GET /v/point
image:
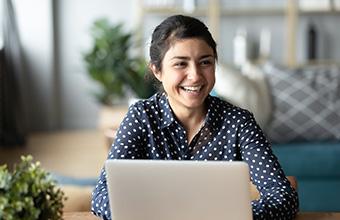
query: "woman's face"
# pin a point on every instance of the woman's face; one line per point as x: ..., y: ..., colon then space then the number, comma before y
x: 188, y: 73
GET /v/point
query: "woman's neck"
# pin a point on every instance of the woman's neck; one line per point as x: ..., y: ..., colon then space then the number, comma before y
x: 191, y: 119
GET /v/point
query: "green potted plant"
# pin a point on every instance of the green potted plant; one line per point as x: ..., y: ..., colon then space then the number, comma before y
x: 109, y: 62
x: 28, y: 192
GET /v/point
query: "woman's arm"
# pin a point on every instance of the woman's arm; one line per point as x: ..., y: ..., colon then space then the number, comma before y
x: 278, y: 200
x: 128, y: 144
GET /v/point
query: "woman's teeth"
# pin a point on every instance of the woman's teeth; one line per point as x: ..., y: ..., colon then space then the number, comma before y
x: 192, y: 88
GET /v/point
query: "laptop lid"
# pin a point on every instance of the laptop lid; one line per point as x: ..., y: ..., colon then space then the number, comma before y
x: 178, y: 190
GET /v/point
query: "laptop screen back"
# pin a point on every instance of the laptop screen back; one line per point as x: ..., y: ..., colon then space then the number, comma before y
x: 178, y: 190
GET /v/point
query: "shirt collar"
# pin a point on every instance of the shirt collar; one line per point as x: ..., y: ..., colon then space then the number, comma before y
x: 208, y: 102
x: 215, y: 115
x: 168, y: 116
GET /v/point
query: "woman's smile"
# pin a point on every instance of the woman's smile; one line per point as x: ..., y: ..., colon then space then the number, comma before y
x: 192, y: 89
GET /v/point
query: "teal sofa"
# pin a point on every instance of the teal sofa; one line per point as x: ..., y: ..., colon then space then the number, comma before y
x: 305, y: 129
x: 299, y: 111
x: 316, y: 165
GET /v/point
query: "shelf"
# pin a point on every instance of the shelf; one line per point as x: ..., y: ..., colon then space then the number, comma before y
x: 201, y: 11
x: 319, y: 12
x: 214, y: 11
x: 252, y: 12
x: 224, y: 12
x: 173, y: 10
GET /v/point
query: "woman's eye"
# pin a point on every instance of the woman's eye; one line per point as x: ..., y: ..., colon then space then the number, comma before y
x: 180, y: 64
x: 206, y: 62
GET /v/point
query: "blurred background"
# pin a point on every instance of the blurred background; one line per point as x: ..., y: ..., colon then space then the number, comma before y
x: 56, y: 90
x: 55, y: 71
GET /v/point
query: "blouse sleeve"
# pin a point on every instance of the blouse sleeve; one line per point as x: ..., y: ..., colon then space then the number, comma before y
x: 278, y: 200
x: 128, y: 144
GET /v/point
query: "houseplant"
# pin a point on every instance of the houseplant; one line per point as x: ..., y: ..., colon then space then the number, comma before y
x: 110, y: 63
x: 28, y: 192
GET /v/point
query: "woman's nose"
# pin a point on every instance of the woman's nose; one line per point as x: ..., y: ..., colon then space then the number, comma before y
x: 194, y: 72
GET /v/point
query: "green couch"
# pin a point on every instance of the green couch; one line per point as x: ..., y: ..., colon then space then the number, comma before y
x: 299, y: 111
x: 316, y: 165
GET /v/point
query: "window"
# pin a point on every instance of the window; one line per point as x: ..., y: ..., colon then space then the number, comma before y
x: 1, y: 23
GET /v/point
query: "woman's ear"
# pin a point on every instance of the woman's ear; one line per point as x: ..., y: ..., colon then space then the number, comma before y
x: 157, y: 73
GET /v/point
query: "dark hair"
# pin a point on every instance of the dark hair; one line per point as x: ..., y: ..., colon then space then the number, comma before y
x: 173, y: 28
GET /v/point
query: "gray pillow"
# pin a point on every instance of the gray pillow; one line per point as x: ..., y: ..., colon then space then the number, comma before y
x: 306, y: 103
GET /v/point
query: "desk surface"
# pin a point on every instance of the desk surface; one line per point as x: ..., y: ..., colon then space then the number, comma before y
x: 301, y: 216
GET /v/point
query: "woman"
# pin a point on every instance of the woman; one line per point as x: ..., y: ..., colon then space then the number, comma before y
x: 185, y: 123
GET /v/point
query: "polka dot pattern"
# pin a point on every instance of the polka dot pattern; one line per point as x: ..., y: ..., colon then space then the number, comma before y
x: 150, y: 131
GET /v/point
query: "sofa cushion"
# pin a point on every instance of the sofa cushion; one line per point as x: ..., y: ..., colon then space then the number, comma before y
x: 309, y: 160
x: 306, y: 103
x: 246, y: 89
x: 319, y: 195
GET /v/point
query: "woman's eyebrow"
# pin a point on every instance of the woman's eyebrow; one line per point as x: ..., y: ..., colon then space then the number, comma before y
x: 180, y: 57
x: 188, y: 58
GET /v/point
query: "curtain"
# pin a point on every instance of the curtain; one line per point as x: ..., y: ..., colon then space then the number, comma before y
x: 12, y: 120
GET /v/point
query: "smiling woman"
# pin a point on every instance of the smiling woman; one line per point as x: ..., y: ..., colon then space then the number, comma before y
x: 188, y: 76
x: 184, y: 122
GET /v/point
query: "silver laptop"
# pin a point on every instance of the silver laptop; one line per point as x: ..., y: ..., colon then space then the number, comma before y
x: 178, y: 190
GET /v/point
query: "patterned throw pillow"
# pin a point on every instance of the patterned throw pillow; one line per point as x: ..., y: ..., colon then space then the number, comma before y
x: 306, y: 103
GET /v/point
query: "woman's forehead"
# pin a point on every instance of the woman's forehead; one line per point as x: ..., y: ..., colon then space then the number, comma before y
x: 189, y: 47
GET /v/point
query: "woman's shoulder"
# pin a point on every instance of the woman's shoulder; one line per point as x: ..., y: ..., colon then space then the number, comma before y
x: 224, y: 108
x: 149, y: 105
x: 223, y: 105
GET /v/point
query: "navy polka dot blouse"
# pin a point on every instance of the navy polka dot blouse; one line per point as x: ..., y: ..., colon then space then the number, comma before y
x: 150, y: 131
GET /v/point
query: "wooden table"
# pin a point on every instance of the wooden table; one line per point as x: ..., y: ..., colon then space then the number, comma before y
x: 79, y: 216
x: 318, y: 216
x: 301, y: 216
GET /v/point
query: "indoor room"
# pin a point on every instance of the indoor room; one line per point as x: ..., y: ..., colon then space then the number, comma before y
x: 70, y: 70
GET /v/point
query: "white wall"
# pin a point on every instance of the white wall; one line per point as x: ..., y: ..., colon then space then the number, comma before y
x: 1, y: 39
x: 79, y: 109
x: 58, y: 91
